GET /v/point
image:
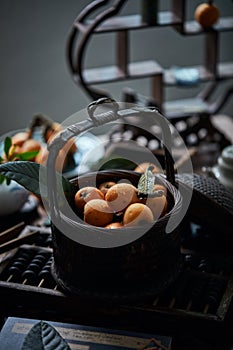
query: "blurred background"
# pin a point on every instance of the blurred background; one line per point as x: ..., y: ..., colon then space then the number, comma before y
x: 34, y: 75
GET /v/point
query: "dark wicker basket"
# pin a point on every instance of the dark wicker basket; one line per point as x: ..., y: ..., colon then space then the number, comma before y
x: 141, y: 268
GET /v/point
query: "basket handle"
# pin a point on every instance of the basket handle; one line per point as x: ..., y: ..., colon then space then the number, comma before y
x: 95, y: 120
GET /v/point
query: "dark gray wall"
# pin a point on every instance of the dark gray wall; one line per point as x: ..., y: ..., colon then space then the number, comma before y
x: 34, y: 76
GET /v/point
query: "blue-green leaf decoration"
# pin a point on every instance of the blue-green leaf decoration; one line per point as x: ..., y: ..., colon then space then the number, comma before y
x: 146, y: 182
x: 43, y: 336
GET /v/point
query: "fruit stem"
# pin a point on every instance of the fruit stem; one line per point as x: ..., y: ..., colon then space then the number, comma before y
x: 210, y: 2
x: 158, y: 193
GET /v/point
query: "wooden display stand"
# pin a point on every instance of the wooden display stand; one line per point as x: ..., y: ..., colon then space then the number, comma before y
x: 109, y: 21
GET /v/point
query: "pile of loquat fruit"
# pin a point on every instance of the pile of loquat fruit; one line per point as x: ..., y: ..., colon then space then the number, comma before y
x: 24, y: 141
x: 117, y: 205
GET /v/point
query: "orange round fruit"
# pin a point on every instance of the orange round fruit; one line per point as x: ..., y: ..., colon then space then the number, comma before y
x: 121, y: 195
x: 61, y: 160
x: 136, y: 214
x: 104, y: 187
x: 206, y: 15
x: 70, y: 145
x: 158, y: 187
x: 42, y: 157
x: 97, y: 213
x: 52, y: 131
x: 31, y: 145
x: 141, y: 168
x: 114, y: 225
x: 19, y: 138
x: 86, y: 194
x: 158, y: 206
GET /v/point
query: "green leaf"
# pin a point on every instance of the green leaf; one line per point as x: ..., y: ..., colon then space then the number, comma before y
x: 43, y: 336
x: 26, y: 155
x: 146, y: 182
x: 117, y: 163
x: 1, y: 159
x: 27, y: 174
x: 7, y: 145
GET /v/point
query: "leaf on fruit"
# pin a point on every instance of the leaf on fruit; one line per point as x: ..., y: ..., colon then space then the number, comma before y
x: 43, y: 336
x: 146, y: 183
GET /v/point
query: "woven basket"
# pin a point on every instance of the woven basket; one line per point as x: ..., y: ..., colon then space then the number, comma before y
x: 138, y: 269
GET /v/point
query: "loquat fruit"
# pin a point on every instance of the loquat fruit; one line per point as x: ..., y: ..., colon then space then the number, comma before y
x: 141, y: 168
x: 104, y: 187
x: 158, y: 187
x: 121, y: 196
x: 19, y: 138
x: 30, y: 145
x: 206, y: 14
x: 114, y: 225
x: 86, y: 194
x: 98, y: 213
x: 158, y: 206
x: 137, y: 214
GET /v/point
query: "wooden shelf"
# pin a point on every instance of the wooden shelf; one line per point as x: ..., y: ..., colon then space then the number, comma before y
x: 166, y: 18
x: 110, y: 21
x: 224, y: 71
x: 151, y: 68
x: 113, y: 73
x: 132, y: 22
x: 184, y: 107
x: 193, y: 28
